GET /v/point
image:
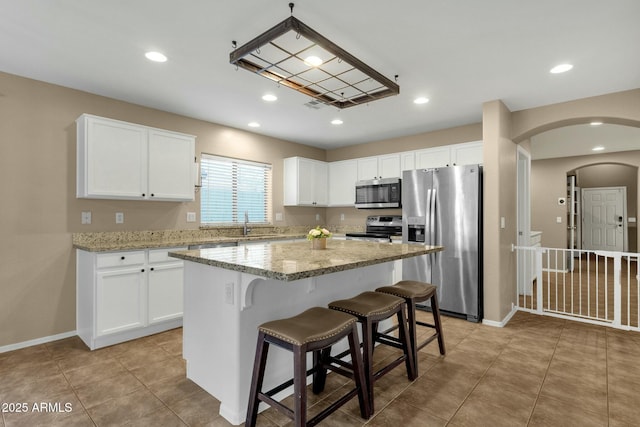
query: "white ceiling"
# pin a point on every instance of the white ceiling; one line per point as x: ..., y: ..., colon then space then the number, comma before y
x: 457, y: 53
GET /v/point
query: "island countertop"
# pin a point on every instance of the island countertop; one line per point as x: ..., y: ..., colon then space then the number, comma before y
x: 296, y: 260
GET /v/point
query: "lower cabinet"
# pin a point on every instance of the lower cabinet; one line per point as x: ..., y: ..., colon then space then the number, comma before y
x: 127, y: 295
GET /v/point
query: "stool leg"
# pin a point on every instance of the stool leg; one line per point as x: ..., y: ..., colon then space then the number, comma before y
x: 359, y: 374
x: 300, y: 386
x: 411, y: 320
x: 262, y: 348
x: 436, y: 321
x: 406, y: 346
x: 367, y: 358
x: 320, y: 371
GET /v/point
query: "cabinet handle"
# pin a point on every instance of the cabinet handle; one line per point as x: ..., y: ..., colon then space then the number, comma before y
x: 152, y: 194
x: 151, y: 269
x: 121, y: 257
x: 143, y: 194
x: 142, y: 271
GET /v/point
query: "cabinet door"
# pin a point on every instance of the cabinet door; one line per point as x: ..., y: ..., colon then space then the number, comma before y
x: 165, y: 291
x: 171, y: 163
x: 467, y: 154
x: 306, y: 182
x: 321, y: 180
x: 115, y: 158
x: 120, y: 302
x: 342, y: 182
x: 437, y: 157
x: 389, y: 166
x: 367, y: 168
x: 407, y: 161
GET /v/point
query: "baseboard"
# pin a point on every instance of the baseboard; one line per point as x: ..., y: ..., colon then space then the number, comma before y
x: 36, y: 341
x: 503, y: 322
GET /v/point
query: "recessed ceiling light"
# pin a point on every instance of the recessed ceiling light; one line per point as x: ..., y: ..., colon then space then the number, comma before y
x: 421, y: 100
x: 313, y: 61
x: 595, y: 123
x: 254, y: 125
x: 598, y: 148
x: 562, y: 68
x: 336, y: 122
x: 269, y: 97
x: 156, y: 57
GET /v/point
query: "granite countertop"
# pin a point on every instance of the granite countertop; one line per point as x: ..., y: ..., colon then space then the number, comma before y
x: 296, y: 260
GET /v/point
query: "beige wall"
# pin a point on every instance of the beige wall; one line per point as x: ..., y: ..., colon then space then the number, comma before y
x: 548, y: 183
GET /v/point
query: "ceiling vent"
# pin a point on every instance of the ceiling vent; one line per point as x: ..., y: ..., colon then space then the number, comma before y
x: 314, y: 104
x: 296, y: 56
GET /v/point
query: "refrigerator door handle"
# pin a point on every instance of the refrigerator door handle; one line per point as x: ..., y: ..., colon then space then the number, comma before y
x: 427, y: 219
x: 432, y: 217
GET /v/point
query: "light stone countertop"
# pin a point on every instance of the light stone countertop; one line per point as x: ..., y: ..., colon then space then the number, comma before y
x: 296, y: 260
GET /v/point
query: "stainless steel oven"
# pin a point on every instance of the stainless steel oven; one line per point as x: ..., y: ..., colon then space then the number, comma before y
x: 380, y: 228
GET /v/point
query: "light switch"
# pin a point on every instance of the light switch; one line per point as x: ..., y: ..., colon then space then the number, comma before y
x: 278, y: 216
x: 191, y: 217
x: 559, y: 219
x: 503, y: 223
x: 119, y: 217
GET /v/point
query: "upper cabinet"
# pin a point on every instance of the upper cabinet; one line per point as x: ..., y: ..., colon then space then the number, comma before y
x: 377, y: 167
x: 119, y: 160
x: 305, y: 182
x: 449, y: 155
x: 342, y: 182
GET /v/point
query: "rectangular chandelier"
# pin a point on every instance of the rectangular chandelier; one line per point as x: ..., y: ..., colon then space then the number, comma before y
x: 296, y: 56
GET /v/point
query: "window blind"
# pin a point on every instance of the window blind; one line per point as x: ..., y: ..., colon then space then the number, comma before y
x: 231, y: 187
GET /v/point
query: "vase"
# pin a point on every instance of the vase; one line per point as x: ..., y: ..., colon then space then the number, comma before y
x: 320, y: 243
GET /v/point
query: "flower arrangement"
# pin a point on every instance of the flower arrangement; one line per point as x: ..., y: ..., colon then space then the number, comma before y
x: 318, y: 233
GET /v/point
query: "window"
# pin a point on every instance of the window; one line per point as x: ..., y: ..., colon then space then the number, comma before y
x: 231, y: 187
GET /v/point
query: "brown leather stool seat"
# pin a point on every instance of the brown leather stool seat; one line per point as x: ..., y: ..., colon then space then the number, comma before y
x: 371, y: 308
x: 413, y: 292
x: 313, y: 330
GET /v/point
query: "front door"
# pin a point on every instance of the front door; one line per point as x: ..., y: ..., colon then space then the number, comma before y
x: 603, y: 219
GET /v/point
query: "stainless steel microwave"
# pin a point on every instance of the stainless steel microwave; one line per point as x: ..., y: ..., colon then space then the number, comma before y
x: 378, y: 193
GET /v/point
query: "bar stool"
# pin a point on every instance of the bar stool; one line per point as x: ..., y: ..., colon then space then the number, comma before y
x: 371, y: 308
x: 413, y: 292
x: 313, y: 330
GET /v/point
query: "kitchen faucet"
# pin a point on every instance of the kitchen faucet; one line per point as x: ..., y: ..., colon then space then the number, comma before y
x: 246, y: 229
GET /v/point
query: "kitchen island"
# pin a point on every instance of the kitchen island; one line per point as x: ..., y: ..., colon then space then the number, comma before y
x: 229, y: 291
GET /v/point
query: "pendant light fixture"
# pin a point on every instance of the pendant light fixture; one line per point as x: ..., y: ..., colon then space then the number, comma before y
x: 294, y: 55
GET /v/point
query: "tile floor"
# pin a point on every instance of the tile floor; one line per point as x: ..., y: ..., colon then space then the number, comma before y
x: 537, y: 371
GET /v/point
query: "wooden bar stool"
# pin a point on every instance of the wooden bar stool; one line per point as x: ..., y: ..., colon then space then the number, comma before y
x: 413, y: 292
x: 371, y: 308
x: 315, y: 330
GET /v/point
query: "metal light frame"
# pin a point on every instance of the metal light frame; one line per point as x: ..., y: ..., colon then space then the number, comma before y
x: 341, y: 81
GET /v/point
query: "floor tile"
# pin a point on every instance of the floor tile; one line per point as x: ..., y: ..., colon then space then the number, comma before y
x: 549, y: 412
x: 125, y: 409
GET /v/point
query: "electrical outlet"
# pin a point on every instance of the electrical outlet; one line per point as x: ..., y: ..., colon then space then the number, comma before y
x: 559, y: 219
x: 278, y: 216
x: 191, y: 217
x: 228, y: 293
x: 119, y: 217
x: 341, y: 217
x: 317, y: 217
x: 86, y: 217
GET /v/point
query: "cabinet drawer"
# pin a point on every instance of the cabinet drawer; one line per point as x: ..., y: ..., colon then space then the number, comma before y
x: 162, y: 255
x: 120, y: 259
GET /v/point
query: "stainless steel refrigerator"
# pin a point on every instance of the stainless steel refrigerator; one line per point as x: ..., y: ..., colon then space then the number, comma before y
x: 443, y: 206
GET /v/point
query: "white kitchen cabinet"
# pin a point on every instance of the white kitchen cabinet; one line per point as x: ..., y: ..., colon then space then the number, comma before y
x: 407, y: 161
x: 120, y: 160
x: 342, y: 182
x: 377, y: 167
x: 435, y: 157
x: 165, y: 286
x: 467, y: 154
x: 305, y: 182
x: 449, y: 155
x: 119, y: 300
x: 127, y: 295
